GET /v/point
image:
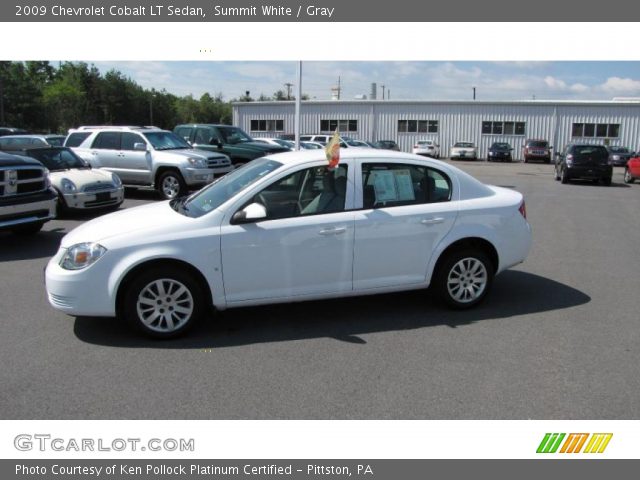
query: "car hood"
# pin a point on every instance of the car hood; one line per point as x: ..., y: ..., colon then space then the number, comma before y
x: 153, y: 217
x: 259, y: 147
x: 82, y: 177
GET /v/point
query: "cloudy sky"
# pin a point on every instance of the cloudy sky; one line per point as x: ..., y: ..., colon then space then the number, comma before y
x: 405, y: 80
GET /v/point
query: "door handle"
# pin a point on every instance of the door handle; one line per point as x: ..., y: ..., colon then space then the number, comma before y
x: 332, y: 231
x: 432, y: 221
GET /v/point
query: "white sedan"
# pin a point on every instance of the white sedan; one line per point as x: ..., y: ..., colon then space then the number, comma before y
x: 463, y: 150
x: 429, y: 148
x: 287, y: 228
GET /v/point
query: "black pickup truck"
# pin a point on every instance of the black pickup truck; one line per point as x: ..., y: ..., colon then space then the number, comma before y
x: 27, y: 200
x: 227, y: 139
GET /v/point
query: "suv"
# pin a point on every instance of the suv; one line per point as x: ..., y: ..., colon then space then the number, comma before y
x: 148, y: 156
x: 537, y: 150
x: 584, y: 161
x: 232, y: 141
x: 27, y: 200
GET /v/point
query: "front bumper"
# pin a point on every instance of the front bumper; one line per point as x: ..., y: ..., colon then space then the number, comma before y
x: 79, y: 292
x: 102, y: 199
x: 202, y: 176
x: 464, y: 154
x: 37, y: 208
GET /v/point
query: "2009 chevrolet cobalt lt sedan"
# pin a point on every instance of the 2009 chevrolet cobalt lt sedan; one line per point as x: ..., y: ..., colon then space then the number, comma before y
x: 286, y: 228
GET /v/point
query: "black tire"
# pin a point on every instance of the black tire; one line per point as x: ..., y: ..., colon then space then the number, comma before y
x: 452, y: 268
x: 606, y: 181
x: 627, y: 176
x: 163, y: 320
x: 171, y: 185
x: 564, y: 176
x: 556, y: 175
x: 526, y: 160
x: 28, y: 229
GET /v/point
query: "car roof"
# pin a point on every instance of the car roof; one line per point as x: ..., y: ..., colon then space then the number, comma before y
x: 304, y: 156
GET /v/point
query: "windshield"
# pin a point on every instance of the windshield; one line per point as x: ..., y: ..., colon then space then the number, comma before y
x: 538, y: 144
x: 501, y: 146
x: 464, y: 145
x: 166, y: 141
x: 618, y: 150
x: 214, y: 195
x: 57, y: 159
x: 233, y: 135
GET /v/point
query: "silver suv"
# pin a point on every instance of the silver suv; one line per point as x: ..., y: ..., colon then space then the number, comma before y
x: 148, y: 156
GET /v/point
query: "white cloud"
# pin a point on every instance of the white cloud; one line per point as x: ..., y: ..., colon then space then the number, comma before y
x: 617, y: 85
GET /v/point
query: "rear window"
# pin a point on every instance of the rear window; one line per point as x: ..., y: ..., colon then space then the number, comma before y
x: 76, y: 138
x: 589, y: 151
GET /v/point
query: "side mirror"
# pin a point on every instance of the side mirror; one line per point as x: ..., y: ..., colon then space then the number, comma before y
x: 140, y: 147
x: 251, y: 213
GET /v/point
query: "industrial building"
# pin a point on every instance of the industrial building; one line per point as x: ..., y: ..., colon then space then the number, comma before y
x: 615, y: 122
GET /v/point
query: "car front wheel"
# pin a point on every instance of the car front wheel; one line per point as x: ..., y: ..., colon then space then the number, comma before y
x: 171, y: 185
x: 464, y: 278
x: 564, y: 176
x: 163, y: 302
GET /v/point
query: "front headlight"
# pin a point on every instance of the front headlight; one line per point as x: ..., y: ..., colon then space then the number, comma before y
x: 81, y: 256
x: 47, y: 178
x: 198, y: 162
x: 616, y: 157
x: 68, y: 186
x: 116, y: 180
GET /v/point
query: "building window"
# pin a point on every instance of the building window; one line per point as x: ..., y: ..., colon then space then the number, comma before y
x: 267, y: 125
x: 417, y: 126
x: 597, y: 130
x: 340, y: 125
x: 503, y: 128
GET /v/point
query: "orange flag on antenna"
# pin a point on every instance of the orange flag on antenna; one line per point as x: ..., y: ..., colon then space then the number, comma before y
x: 332, y: 150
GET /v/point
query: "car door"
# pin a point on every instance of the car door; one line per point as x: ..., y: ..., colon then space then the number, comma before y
x: 134, y: 166
x: 407, y: 209
x: 305, y: 245
x: 104, y: 151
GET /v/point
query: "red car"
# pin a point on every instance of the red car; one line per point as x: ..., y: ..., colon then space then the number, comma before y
x: 632, y: 170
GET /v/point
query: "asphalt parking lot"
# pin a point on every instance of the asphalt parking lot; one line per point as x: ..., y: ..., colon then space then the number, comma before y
x: 557, y: 338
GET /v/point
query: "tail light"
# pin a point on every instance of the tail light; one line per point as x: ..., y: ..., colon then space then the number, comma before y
x: 523, y: 209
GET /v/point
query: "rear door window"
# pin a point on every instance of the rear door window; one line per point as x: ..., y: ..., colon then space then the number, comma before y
x: 107, y: 141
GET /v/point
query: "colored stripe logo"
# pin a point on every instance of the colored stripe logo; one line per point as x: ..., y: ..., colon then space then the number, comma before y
x: 574, y: 442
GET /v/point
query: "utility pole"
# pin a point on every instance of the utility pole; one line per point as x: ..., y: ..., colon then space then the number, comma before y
x: 382, y: 91
x: 339, y: 88
x: 288, y: 85
x: 474, y: 93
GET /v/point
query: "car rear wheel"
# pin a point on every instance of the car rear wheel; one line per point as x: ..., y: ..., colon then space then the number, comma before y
x: 564, y: 177
x: 163, y: 302
x: 464, y: 278
x: 627, y: 176
x: 171, y: 185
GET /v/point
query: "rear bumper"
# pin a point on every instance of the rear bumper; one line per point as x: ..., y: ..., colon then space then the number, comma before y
x: 589, y: 171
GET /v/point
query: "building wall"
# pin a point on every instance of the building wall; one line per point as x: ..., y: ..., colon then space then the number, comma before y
x: 457, y: 121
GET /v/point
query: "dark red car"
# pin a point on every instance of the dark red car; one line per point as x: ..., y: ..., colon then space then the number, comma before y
x: 632, y: 170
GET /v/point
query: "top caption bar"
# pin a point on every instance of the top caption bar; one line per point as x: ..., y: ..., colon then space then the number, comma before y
x: 320, y: 11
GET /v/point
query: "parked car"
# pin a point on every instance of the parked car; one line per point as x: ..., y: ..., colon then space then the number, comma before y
x: 77, y: 184
x: 229, y: 140
x: 27, y: 200
x: 463, y: 150
x: 632, y: 170
x: 357, y: 144
x: 279, y: 142
x: 499, y: 152
x: 619, y: 156
x: 428, y: 148
x: 311, y: 145
x: 536, y: 149
x: 387, y: 145
x: 322, y: 139
x: 11, y: 143
x: 287, y: 228
x: 590, y: 162
x: 149, y: 156
x: 11, y: 131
